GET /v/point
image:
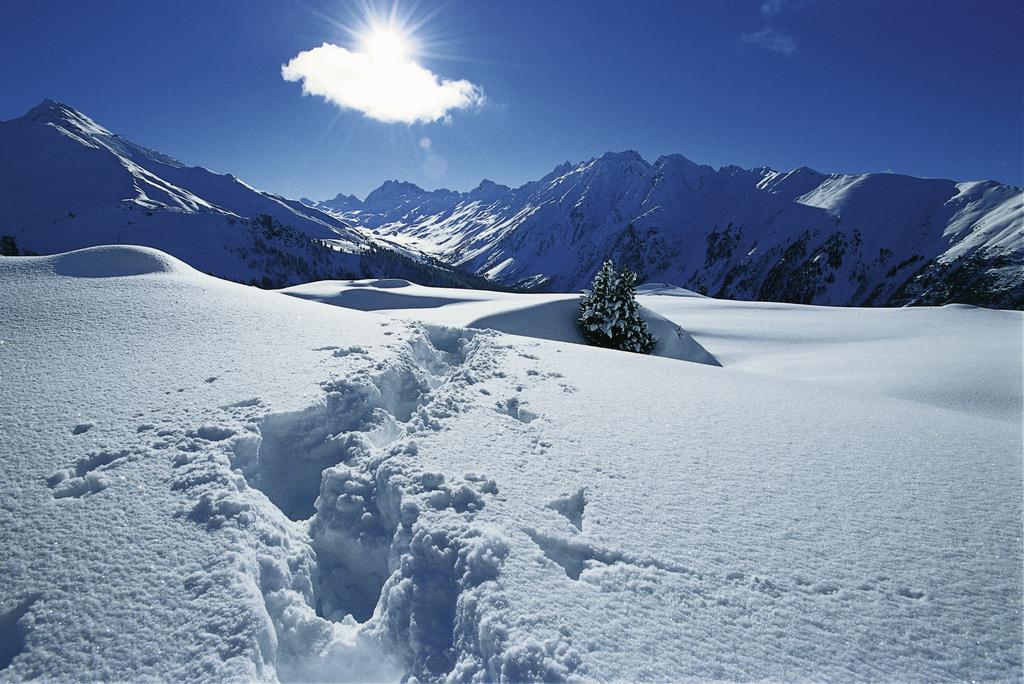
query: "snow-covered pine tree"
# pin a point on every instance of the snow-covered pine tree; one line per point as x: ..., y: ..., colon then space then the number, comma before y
x: 609, y: 313
x: 635, y: 336
x: 594, y: 320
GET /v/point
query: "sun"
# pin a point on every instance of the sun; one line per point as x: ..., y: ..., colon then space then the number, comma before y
x: 386, y: 44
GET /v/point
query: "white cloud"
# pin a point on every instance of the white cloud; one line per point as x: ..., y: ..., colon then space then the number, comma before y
x: 771, y: 40
x: 396, y: 90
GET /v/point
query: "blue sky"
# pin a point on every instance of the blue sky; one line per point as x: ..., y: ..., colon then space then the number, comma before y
x: 929, y: 88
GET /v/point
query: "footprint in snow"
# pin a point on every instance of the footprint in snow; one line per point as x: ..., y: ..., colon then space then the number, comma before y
x: 88, y: 475
x: 572, y: 506
x: 575, y: 555
x: 211, y: 433
x: 244, y: 403
x: 514, y: 408
x: 348, y: 351
x: 12, y: 630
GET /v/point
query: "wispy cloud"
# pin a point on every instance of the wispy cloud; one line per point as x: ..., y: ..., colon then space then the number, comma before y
x: 771, y: 40
x: 396, y: 90
x: 771, y: 8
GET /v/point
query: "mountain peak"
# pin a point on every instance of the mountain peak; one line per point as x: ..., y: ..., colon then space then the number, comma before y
x: 674, y: 159
x: 488, y: 187
x: 401, y: 186
x: 627, y: 156
x: 561, y: 169
x: 391, y: 190
x: 52, y: 109
x: 64, y: 116
x: 48, y: 105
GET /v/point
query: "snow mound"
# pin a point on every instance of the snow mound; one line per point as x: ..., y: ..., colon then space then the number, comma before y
x: 556, y: 320
x: 367, y: 295
x: 115, y: 261
x: 542, y: 316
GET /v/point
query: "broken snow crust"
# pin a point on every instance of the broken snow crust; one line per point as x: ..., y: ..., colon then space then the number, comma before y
x: 208, y: 481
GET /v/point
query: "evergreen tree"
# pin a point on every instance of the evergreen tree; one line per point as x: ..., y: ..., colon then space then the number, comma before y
x: 609, y: 313
x: 595, y: 320
x: 8, y: 246
x: 635, y: 335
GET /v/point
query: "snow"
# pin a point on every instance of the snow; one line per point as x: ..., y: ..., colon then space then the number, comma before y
x: 544, y: 316
x: 750, y: 234
x: 59, y: 162
x: 67, y: 183
x: 272, y: 488
x: 955, y: 357
x: 113, y: 262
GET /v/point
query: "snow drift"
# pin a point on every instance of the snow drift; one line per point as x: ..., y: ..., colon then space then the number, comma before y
x: 114, y: 261
x: 548, y: 317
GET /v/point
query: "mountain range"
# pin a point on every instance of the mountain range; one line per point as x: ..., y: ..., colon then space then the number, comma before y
x: 800, y: 236
x: 66, y: 182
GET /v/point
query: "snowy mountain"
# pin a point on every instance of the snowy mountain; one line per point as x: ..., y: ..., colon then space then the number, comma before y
x: 67, y: 182
x: 802, y: 236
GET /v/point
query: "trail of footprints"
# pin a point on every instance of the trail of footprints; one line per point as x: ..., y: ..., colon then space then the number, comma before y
x: 344, y: 464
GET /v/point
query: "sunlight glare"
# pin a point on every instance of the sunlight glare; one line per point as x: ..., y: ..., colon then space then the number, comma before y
x: 386, y: 44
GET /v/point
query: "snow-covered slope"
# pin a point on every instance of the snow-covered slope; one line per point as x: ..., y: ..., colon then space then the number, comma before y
x: 308, y: 492
x: 544, y: 316
x: 957, y: 357
x: 66, y: 182
x: 802, y: 236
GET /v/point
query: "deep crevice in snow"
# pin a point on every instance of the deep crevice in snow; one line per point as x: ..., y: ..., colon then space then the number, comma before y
x: 348, y: 465
x: 383, y: 571
x: 353, y: 540
x: 295, y: 447
x: 355, y: 418
x: 361, y: 528
x: 12, y: 630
